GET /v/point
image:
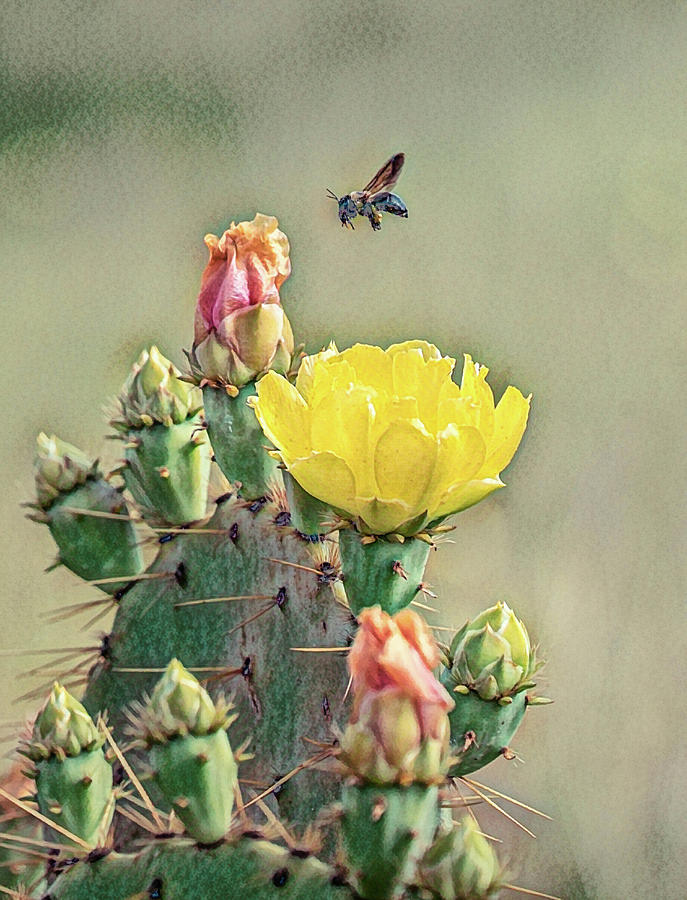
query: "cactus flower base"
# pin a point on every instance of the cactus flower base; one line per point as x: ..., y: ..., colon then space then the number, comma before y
x: 381, y: 572
x: 492, y: 724
x: 386, y: 829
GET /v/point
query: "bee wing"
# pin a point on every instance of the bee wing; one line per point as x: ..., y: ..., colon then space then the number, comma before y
x: 387, y: 175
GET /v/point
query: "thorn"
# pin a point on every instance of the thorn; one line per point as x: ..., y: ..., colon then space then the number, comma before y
x: 132, y: 775
x: 423, y: 588
x: 37, y: 815
x: 224, y: 599
x: 531, y: 893
x: 508, y: 754
x: 470, y: 740
x: 398, y: 569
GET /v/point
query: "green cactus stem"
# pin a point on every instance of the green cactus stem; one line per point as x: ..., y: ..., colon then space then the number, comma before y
x: 481, y: 730
x: 74, y: 783
x: 386, y: 830
x: 461, y: 864
x: 244, y: 645
x: 380, y: 571
x: 238, y: 442
x: 174, y: 869
x: 192, y: 760
x: 91, y: 546
x: 167, y: 454
x: 308, y: 514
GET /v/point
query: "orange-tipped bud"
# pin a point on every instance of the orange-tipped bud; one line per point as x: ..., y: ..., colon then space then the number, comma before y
x: 399, y: 729
x: 241, y: 330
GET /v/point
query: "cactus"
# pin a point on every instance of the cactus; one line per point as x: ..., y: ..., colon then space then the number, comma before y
x: 267, y: 714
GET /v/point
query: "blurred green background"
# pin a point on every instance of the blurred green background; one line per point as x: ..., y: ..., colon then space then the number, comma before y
x: 546, y: 179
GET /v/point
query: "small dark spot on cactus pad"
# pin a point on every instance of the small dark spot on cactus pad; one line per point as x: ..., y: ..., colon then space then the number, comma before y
x: 106, y: 646
x: 234, y: 532
x: 309, y: 538
x: 247, y: 667
x: 167, y: 538
x: 326, y: 709
x: 324, y: 626
x: 283, y: 518
x: 339, y: 880
x: 98, y: 853
x: 328, y: 573
x: 280, y: 877
x: 258, y: 504
x: 278, y: 787
x: 155, y: 889
x: 223, y: 499
x: 164, y: 835
x: 124, y: 590
x: 253, y: 835
x: 180, y: 575
x: 281, y: 597
x: 118, y: 773
x: 300, y: 853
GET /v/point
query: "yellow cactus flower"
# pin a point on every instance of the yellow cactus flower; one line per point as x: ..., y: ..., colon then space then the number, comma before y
x: 387, y: 438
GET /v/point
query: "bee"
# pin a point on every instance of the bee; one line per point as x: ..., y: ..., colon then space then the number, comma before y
x: 375, y: 198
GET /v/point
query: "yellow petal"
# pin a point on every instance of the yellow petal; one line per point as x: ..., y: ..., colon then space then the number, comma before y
x: 457, y: 411
x: 329, y: 376
x: 460, y: 456
x: 306, y: 371
x: 404, y: 460
x: 428, y: 351
x: 414, y: 376
x: 372, y: 366
x: 283, y: 415
x: 474, y: 385
x: 342, y: 422
x: 383, y: 516
x: 327, y: 477
x: 510, y: 420
x: 465, y: 495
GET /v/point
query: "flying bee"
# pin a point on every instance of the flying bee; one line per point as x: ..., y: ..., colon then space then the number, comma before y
x: 375, y: 198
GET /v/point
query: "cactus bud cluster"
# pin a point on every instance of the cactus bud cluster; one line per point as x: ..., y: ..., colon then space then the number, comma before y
x: 74, y: 782
x: 153, y: 392
x: 461, y: 864
x: 62, y: 728
x: 167, y: 455
x: 59, y: 467
x: 492, y: 654
x: 193, y: 763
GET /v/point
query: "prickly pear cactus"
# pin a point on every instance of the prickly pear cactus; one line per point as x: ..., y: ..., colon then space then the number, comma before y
x: 269, y: 713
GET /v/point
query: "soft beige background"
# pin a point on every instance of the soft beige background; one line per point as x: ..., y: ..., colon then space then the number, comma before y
x: 546, y: 179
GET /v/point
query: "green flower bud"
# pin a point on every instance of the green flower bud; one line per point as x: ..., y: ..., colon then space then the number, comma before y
x: 59, y: 467
x: 492, y: 654
x: 461, y: 864
x: 180, y: 700
x: 153, y: 392
x: 62, y: 728
x: 180, y: 705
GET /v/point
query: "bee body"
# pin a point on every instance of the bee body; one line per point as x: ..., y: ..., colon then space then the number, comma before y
x: 372, y: 201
